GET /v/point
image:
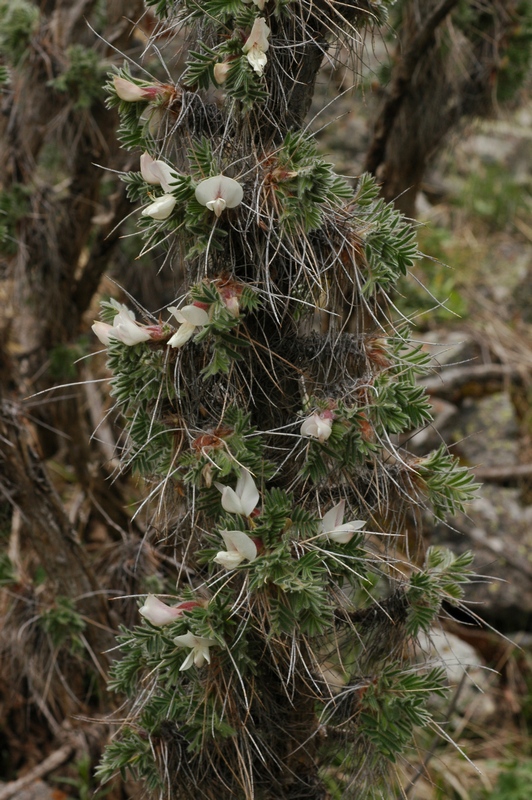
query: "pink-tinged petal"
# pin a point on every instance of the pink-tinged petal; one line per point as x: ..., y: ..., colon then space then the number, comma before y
x: 127, y: 90
x: 158, y: 613
x: 160, y: 208
x: 258, y: 38
x: 102, y: 329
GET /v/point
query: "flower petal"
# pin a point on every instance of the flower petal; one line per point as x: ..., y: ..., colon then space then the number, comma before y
x: 194, y: 315
x: 161, y: 208
x: 182, y: 335
x: 127, y: 90
x: 227, y: 559
x: 247, y: 491
x: 239, y: 542
x: 102, y: 330
x: 230, y: 500
x: 158, y: 613
x: 333, y: 517
x: 219, y: 187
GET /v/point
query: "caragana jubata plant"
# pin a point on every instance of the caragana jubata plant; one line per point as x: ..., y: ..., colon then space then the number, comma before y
x: 263, y: 409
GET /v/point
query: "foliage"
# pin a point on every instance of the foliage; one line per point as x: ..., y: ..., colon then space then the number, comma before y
x: 82, y: 77
x: 19, y: 19
x: 269, y: 438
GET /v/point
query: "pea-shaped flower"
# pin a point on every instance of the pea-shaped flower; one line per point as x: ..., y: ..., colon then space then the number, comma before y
x: 318, y: 426
x: 132, y: 92
x: 257, y: 45
x: 190, y: 317
x: 243, y: 499
x: 159, y: 613
x: 156, y: 172
x: 219, y: 193
x: 161, y: 208
x: 199, y: 653
x: 124, y: 329
x: 240, y: 547
x: 335, y: 529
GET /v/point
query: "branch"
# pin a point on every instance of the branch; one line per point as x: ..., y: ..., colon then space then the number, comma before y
x: 481, y: 380
x: 53, y: 761
x: 402, y: 75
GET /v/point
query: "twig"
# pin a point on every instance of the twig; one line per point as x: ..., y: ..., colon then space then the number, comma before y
x: 508, y: 474
x: 402, y: 75
x: 479, y: 380
x: 48, y: 765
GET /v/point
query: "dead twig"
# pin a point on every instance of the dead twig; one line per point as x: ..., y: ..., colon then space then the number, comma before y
x: 53, y: 761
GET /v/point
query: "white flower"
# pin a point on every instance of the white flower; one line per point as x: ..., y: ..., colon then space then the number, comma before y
x: 157, y: 173
x: 257, y: 45
x: 335, y: 529
x: 243, y: 499
x: 219, y: 193
x: 190, y: 318
x: 124, y: 328
x: 317, y: 427
x: 133, y: 92
x: 240, y: 547
x: 127, y: 90
x: 221, y: 69
x: 158, y: 613
x: 200, y: 649
x: 160, y: 208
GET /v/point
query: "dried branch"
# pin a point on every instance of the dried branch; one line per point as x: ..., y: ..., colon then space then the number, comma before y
x: 401, y: 77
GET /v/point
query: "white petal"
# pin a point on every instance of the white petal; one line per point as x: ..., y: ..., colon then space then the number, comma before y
x: 146, y: 162
x: 194, y: 315
x: 160, y: 208
x: 230, y: 500
x: 333, y: 517
x: 240, y: 543
x: 221, y: 187
x: 247, y: 491
x: 188, y: 662
x: 127, y: 331
x: 185, y: 640
x: 342, y: 537
x: 229, y: 560
x: 182, y: 335
x: 217, y: 206
x: 257, y: 59
x: 164, y: 174
x: 157, y: 612
x: 102, y: 329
